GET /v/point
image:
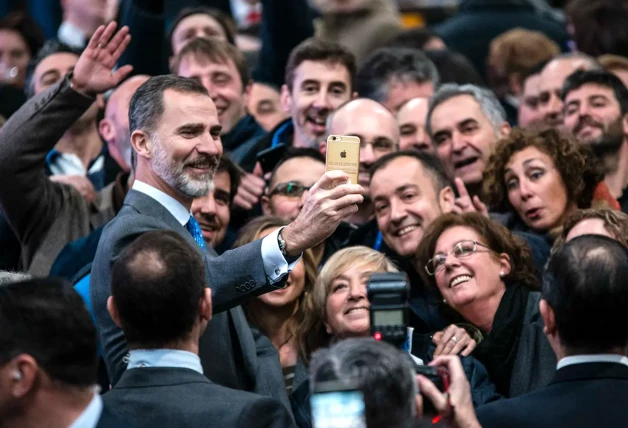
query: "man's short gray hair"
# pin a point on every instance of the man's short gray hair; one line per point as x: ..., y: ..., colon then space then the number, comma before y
x: 385, y: 376
x: 489, y: 104
x: 8, y: 277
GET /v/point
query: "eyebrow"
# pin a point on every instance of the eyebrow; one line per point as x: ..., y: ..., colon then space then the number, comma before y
x: 49, y: 73
x: 598, y: 96
x: 222, y: 192
x: 524, y: 163
x: 466, y: 122
x: 195, y: 127
x: 216, y: 129
x: 406, y: 187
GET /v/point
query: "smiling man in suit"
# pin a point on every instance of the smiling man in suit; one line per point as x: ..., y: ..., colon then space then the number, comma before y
x: 584, y: 299
x: 159, y: 297
x: 175, y: 135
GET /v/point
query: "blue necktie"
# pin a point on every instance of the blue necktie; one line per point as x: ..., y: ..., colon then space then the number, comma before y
x: 195, y: 230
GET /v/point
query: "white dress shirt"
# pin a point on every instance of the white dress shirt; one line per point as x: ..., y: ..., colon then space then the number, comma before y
x: 594, y: 358
x: 164, y: 358
x: 71, y: 35
x: 275, y: 264
x: 91, y: 415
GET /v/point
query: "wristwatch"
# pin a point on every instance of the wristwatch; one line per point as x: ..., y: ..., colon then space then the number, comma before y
x: 282, y: 247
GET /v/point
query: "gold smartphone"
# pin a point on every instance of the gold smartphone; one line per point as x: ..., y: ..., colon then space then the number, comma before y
x: 343, y: 153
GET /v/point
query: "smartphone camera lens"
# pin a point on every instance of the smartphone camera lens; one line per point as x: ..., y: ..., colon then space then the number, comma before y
x: 333, y: 138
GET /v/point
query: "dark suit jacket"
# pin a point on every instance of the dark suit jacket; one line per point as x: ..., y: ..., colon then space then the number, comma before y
x: 154, y: 397
x: 228, y: 347
x: 109, y: 419
x: 581, y: 395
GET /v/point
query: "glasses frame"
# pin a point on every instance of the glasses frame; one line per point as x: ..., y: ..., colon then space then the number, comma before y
x: 275, y: 191
x: 475, y: 249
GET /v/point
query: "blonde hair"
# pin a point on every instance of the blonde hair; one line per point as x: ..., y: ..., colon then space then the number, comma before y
x: 519, y: 50
x: 311, y: 333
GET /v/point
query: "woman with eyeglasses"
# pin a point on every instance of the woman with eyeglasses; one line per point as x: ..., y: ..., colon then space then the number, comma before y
x: 279, y: 314
x: 540, y: 177
x: 486, y: 279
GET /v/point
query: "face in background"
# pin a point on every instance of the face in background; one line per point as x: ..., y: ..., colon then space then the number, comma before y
x: 302, y: 170
x: 593, y: 115
x: 224, y: 84
x: 552, y: 78
x: 13, y: 53
x: 114, y: 128
x: 212, y: 211
x: 374, y: 125
x: 476, y: 277
x: 52, y: 69
x: 193, y: 27
x: 411, y: 119
x: 536, y: 189
x: 265, y: 106
x: 406, y: 203
x: 529, y: 113
x: 588, y: 226
x: 400, y: 92
x: 318, y: 89
x: 185, y: 147
x: 347, y: 305
x: 294, y: 286
x: 463, y: 137
x: 89, y: 13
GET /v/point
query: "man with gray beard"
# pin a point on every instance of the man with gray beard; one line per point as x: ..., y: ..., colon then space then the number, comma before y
x: 175, y: 136
x: 596, y: 112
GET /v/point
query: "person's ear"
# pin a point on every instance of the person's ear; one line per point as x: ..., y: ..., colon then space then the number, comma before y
x: 286, y: 99
x: 514, y: 84
x: 354, y: 96
x: 23, y: 371
x: 266, y: 208
x: 246, y: 93
x: 113, y: 311
x: 504, y: 130
x: 328, y: 329
x: 206, y: 305
x: 107, y: 130
x: 549, y: 319
x: 446, y: 200
x: 142, y: 144
x: 504, y: 264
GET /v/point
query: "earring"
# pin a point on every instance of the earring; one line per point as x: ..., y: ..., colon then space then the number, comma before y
x: 502, y: 274
x: 17, y: 375
x: 445, y: 301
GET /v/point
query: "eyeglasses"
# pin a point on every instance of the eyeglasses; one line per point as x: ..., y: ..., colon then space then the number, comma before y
x: 291, y: 189
x: 461, y: 250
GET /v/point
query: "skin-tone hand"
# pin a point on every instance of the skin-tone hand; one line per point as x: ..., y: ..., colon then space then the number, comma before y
x: 249, y: 191
x: 80, y: 183
x: 93, y: 73
x: 456, y: 406
x: 464, y: 203
x: 328, y: 202
x: 446, y: 345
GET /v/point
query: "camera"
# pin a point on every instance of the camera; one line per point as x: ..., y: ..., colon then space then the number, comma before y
x: 388, y: 295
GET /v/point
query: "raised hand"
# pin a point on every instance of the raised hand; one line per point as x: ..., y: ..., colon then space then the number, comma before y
x: 464, y: 203
x: 328, y: 202
x: 93, y: 73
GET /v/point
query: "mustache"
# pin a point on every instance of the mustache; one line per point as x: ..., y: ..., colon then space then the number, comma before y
x: 203, y: 161
x: 587, y: 121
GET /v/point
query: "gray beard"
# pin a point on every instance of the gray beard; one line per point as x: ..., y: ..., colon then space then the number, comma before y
x: 174, y: 174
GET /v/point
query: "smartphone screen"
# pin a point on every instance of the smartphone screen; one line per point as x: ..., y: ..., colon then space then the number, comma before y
x: 343, y: 153
x: 338, y: 409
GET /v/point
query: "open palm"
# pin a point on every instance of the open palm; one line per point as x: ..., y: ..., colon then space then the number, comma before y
x: 93, y: 73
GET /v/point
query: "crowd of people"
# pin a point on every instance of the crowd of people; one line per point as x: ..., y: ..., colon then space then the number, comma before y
x: 174, y: 251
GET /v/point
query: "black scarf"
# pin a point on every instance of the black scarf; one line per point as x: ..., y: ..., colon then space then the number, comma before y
x: 499, y: 348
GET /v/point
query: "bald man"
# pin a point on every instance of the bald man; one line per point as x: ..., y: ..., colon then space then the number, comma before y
x: 377, y: 129
x: 551, y: 82
x: 411, y: 120
x: 114, y: 128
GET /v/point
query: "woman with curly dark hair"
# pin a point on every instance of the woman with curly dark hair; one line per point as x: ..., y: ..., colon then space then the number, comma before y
x: 487, y: 279
x: 540, y: 177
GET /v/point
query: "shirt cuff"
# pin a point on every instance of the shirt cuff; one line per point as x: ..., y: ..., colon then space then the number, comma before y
x: 275, y: 264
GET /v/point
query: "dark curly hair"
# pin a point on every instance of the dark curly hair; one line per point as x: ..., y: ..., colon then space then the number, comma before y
x: 576, y: 164
x: 495, y: 236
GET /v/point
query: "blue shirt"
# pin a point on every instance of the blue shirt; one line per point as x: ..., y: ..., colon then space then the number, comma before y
x: 164, y: 358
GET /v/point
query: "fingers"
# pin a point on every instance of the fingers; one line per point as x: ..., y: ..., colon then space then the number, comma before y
x: 469, y: 347
x: 121, y: 47
x: 453, y: 365
x: 444, y: 342
x: 345, y: 189
x: 462, y: 189
x: 456, y: 209
x: 429, y: 390
x: 117, y: 40
x: 104, y: 38
x: 480, y: 206
x: 331, y: 179
x: 120, y: 74
x: 253, y: 184
x: 242, y: 203
x: 93, y: 42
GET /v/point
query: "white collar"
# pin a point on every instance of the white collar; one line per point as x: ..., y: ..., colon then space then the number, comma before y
x: 91, y: 415
x: 71, y: 35
x: 594, y: 358
x: 164, y: 358
x: 171, y: 204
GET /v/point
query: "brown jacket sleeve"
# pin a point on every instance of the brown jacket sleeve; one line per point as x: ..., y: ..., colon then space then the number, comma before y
x: 29, y: 200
